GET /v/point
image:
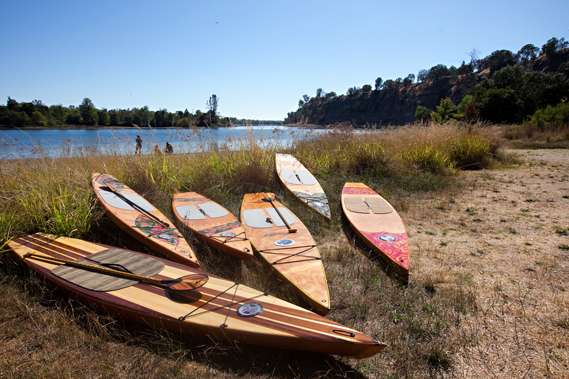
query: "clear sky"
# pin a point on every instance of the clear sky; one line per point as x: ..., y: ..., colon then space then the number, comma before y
x: 259, y: 57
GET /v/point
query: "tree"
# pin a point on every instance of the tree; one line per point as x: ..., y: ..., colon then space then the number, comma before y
x: 12, y: 104
x: 527, y: 54
x: 88, y: 112
x: 366, y: 88
x: 300, y: 103
x: 378, y: 83
x: 497, y: 60
x: 352, y: 91
x: 103, y: 117
x: 409, y: 80
x: 422, y: 113
x: 319, y: 93
x: 39, y: 119
x: 212, y: 106
x: 306, y: 98
x: 444, y: 111
x: 466, y: 109
x: 553, y: 46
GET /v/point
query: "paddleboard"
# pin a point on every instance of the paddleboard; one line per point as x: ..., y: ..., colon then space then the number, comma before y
x: 220, y: 309
x: 137, y: 217
x: 294, y: 256
x: 212, y: 223
x: 302, y: 184
x: 378, y: 224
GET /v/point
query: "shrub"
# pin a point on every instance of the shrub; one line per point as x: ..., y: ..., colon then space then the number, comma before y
x: 470, y: 152
x: 429, y: 159
x: 551, y: 117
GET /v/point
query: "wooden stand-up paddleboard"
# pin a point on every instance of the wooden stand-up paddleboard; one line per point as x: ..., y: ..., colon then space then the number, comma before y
x: 301, y: 183
x: 378, y: 224
x: 136, y: 216
x: 219, y: 309
x: 285, y: 243
x: 212, y: 223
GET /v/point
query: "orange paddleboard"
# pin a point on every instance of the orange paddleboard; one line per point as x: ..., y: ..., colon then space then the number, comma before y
x: 212, y: 223
x: 293, y: 255
x: 220, y: 309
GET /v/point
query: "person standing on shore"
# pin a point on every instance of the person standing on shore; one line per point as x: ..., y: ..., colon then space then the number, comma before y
x: 169, y: 149
x: 138, y: 149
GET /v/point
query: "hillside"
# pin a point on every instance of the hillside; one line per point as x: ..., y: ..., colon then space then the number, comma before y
x: 504, y: 87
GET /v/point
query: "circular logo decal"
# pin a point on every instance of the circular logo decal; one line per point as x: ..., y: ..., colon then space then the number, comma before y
x: 387, y: 238
x: 249, y: 309
x: 284, y: 242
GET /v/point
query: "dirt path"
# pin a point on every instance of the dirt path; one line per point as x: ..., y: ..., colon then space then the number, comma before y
x: 506, y: 234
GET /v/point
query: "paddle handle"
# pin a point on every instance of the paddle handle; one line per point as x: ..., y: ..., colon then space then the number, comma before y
x: 290, y: 229
x: 110, y: 187
x: 98, y: 269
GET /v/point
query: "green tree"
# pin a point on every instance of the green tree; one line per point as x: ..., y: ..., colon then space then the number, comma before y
x: 103, y: 117
x: 366, y: 88
x: 88, y: 112
x: 319, y: 93
x: 378, y: 83
x: 445, y: 111
x: 212, y: 107
x: 422, y: 113
x: 467, y: 110
x: 39, y: 119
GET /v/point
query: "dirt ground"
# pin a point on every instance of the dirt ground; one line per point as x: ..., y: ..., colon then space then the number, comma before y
x: 506, y: 234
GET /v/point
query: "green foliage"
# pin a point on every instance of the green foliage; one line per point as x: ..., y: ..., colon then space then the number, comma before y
x: 470, y: 152
x: 504, y: 87
x: 445, y: 111
x: 467, y: 110
x: 422, y: 113
x: 551, y: 117
x: 428, y: 158
x: 88, y: 112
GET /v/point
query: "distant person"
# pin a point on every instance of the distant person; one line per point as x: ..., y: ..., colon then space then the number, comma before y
x: 138, y: 150
x: 157, y: 149
x: 169, y: 149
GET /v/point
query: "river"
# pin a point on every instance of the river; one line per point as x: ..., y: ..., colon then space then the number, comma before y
x: 37, y: 143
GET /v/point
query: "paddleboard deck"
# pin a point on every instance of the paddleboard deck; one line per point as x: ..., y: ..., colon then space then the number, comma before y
x: 294, y: 256
x: 378, y: 224
x: 212, y: 223
x: 220, y: 309
x: 164, y: 239
x: 302, y: 184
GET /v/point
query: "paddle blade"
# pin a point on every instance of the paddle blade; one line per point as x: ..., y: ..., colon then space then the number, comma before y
x: 188, y: 283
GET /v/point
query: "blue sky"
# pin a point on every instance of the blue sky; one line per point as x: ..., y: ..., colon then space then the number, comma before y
x: 259, y: 57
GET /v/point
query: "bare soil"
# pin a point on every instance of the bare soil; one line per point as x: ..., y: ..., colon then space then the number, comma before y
x: 506, y: 234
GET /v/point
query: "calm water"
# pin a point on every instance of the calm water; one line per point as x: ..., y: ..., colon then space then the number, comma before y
x: 76, y: 142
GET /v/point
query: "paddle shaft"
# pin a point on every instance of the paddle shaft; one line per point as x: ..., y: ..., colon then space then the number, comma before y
x: 98, y: 269
x: 135, y: 206
x: 290, y: 230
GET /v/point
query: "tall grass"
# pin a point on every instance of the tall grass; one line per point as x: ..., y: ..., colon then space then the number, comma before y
x: 55, y: 196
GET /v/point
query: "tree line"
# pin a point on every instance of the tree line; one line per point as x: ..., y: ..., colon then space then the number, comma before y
x: 503, y: 87
x: 36, y: 113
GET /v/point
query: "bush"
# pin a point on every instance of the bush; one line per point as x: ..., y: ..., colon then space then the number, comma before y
x: 551, y: 117
x: 470, y: 152
x: 429, y: 159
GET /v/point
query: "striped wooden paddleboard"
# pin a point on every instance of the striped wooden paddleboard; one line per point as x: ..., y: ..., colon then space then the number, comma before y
x: 221, y: 309
x: 293, y: 255
x: 302, y: 184
x: 164, y: 239
x: 212, y: 223
x: 378, y: 224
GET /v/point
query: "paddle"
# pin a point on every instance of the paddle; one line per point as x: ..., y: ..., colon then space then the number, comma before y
x: 180, y: 285
x: 109, y: 188
x: 270, y: 200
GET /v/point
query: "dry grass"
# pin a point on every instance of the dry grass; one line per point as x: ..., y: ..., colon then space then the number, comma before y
x: 421, y: 322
